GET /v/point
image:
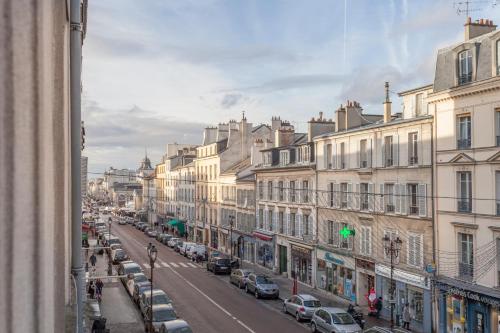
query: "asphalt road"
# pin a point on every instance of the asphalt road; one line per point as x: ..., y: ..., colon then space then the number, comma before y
x: 207, y: 302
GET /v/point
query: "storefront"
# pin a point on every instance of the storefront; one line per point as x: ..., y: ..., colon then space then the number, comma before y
x: 410, y: 288
x: 335, y: 273
x: 265, y: 249
x: 214, y: 237
x: 467, y: 308
x: 365, y: 280
x: 301, y: 263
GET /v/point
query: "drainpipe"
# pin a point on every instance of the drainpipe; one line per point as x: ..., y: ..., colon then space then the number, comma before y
x: 76, y: 193
x: 434, y: 297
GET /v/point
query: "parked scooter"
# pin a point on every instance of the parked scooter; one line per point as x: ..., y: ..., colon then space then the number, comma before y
x: 357, y: 316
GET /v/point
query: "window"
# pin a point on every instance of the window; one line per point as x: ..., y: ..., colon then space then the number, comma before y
x: 280, y: 222
x: 343, y: 195
x: 345, y: 242
x: 261, y: 219
x: 270, y: 190
x: 412, y: 148
x: 466, y: 261
x: 497, y: 128
x: 267, y: 158
x: 261, y: 190
x: 464, y: 203
x: 307, y: 228
x: 463, y: 132
x: 497, y: 190
x: 333, y: 233
x: 415, y: 250
x: 330, y: 194
x: 419, y: 104
x: 388, y: 151
x: 366, y: 241
x: 284, y: 157
x: 292, y: 224
x: 342, y: 156
x: 305, y: 191
x: 363, y: 191
x: 465, y: 67
x: 270, y: 220
x: 412, y: 198
x: 292, y: 191
x: 363, y: 155
x: 498, y: 262
x: 328, y: 156
x: 389, y: 198
x: 280, y: 190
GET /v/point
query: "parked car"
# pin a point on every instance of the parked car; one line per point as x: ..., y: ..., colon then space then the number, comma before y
x: 262, y: 286
x: 160, y: 313
x: 333, y: 320
x: 128, y: 267
x: 185, y: 247
x: 159, y: 236
x: 119, y: 256
x: 113, y: 248
x: 172, y: 241
x: 151, y: 233
x: 130, y: 220
x: 239, y: 277
x: 133, y: 279
x: 166, y: 238
x: 122, y: 221
x: 159, y: 297
x: 139, y: 288
x: 219, y: 265
x: 136, y: 223
x: 178, y: 245
x: 196, y: 249
x: 139, y: 225
x: 175, y: 326
x: 302, y: 306
x: 144, y: 226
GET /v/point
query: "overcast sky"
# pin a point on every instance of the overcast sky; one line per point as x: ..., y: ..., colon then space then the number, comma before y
x: 156, y: 72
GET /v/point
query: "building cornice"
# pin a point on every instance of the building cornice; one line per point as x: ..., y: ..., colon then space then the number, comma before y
x: 475, y: 88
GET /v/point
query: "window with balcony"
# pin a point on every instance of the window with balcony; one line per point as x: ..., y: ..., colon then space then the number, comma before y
x: 466, y: 256
x: 281, y: 222
x: 343, y: 195
x: 465, y: 67
x: 270, y: 190
x: 463, y: 132
x: 341, y: 153
x: 292, y: 191
x: 412, y: 198
x: 363, y: 196
x: 413, y: 148
x: 281, y: 191
x: 464, y: 191
x: 305, y: 191
x: 388, y: 151
x: 389, y: 198
x: 363, y: 154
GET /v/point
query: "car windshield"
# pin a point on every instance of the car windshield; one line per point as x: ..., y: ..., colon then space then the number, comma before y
x: 120, y: 253
x: 161, y: 299
x: 342, y: 318
x: 140, y: 278
x: 263, y: 280
x: 164, y: 315
x: 181, y: 330
x: 312, y: 304
x: 144, y: 287
x: 132, y: 269
x: 223, y: 262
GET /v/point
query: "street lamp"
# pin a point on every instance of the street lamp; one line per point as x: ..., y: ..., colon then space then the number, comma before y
x: 110, y: 264
x: 152, y: 254
x: 392, y: 247
x: 231, y: 223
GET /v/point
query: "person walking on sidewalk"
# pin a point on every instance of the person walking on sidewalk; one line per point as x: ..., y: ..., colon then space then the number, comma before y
x: 406, y: 316
x: 93, y: 259
x: 378, y: 306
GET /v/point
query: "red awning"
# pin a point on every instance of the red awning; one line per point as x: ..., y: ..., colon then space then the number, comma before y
x: 262, y: 236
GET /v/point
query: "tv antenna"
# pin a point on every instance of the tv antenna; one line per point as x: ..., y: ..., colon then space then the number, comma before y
x: 469, y: 6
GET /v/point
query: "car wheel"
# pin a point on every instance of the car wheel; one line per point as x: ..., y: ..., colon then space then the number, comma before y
x: 256, y: 294
x: 313, y: 328
x: 297, y: 317
x: 284, y: 309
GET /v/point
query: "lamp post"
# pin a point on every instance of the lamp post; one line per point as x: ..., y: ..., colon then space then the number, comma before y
x: 152, y: 254
x: 392, y: 248
x: 231, y: 223
x: 110, y: 264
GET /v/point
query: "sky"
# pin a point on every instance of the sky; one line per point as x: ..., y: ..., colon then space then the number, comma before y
x: 159, y: 71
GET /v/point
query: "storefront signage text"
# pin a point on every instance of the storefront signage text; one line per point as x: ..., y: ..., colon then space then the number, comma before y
x: 331, y: 258
x: 473, y: 296
x: 399, y: 275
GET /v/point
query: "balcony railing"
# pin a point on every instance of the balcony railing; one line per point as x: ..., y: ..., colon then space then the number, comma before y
x: 364, y: 205
x: 465, y: 78
x: 388, y: 162
x: 413, y: 210
x: 364, y: 164
x: 343, y: 204
x: 464, y: 206
x: 465, y: 271
x: 389, y: 208
x: 413, y: 160
x: 463, y: 143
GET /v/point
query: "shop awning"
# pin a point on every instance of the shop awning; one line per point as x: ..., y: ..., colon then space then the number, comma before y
x: 178, y: 224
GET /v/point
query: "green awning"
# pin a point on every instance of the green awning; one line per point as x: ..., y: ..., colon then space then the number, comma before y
x: 178, y: 224
x: 173, y: 223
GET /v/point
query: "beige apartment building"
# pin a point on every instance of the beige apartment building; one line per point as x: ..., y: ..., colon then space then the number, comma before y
x: 465, y: 102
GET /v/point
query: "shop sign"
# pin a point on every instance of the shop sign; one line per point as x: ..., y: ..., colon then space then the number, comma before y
x: 301, y: 252
x: 406, y: 277
x: 368, y: 265
x: 335, y: 259
x: 473, y: 296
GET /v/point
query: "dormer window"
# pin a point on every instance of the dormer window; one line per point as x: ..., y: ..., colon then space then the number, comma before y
x: 284, y: 157
x: 465, y: 67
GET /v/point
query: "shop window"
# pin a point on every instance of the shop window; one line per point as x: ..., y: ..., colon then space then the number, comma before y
x: 416, y: 301
x: 388, y: 292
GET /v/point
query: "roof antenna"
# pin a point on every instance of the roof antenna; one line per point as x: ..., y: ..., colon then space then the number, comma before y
x: 468, y: 6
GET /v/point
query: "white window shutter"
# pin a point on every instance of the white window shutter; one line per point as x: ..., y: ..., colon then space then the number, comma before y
x: 371, y: 197
x: 334, y: 155
x: 404, y: 199
x: 395, y: 150
x: 397, y: 199
x: 369, y: 154
x: 422, y: 200
x: 350, y: 197
x: 336, y: 195
x: 419, y: 250
x: 411, y: 250
x: 336, y: 234
x: 325, y: 159
x: 381, y: 198
x: 357, y: 200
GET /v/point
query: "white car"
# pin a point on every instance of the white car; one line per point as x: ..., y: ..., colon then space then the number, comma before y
x: 172, y: 241
x: 199, y: 249
x: 185, y: 248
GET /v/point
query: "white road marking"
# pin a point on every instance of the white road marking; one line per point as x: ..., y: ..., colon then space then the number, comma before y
x: 164, y: 264
x: 183, y: 264
x: 213, y: 302
x: 146, y: 265
x: 192, y: 265
x: 174, y: 264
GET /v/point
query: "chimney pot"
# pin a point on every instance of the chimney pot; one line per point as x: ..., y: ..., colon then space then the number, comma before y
x: 481, y: 21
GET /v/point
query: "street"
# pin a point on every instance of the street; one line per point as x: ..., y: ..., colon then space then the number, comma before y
x: 206, y: 301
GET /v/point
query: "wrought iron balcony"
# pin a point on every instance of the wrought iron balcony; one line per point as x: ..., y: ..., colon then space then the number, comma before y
x: 465, y: 271
x: 464, y: 206
x: 389, y: 208
x: 465, y: 78
x: 413, y: 160
x: 463, y: 143
x: 413, y: 210
x: 388, y: 162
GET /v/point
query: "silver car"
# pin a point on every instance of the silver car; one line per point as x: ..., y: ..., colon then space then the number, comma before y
x: 160, y: 313
x: 328, y: 320
x: 262, y: 287
x: 239, y: 277
x: 159, y: 297
x: 175, y: 326
x: 302, y: 306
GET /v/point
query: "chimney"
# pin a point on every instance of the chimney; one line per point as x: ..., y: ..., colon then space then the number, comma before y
x: 478, y: 28
x: 387, y: 104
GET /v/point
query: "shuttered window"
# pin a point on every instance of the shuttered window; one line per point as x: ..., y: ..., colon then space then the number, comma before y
x: 415, y: 250
x: 366, y: 241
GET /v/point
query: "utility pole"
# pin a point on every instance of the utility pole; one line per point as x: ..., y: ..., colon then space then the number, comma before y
x: 392, y: 249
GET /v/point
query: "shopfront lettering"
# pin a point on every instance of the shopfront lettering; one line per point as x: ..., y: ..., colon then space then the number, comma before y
x: 331, y: 258
x: 474, y: 296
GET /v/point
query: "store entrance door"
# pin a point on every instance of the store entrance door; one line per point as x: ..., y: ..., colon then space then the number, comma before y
x: 283, y: 259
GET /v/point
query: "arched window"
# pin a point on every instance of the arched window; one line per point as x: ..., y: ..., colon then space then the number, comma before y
x: 465, y: 67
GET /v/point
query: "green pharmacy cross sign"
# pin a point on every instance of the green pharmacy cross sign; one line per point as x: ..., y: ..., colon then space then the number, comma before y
x: 346, y: 232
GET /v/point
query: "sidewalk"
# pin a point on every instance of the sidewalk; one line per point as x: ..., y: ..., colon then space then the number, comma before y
x: 116, y: 305
x: 285, y: 284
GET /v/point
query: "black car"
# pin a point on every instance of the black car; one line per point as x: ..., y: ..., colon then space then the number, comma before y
x: 120, y: 255
x: 219, y: 265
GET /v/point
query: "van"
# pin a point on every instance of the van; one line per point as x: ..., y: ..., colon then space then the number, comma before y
x: 185, y: 247
x: 199, y: 249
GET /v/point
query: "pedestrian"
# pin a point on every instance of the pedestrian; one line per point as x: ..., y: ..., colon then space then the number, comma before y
x: 93, y: 259
x: 91, y: 289
x: 406, y: 316
x: 378, y: 307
